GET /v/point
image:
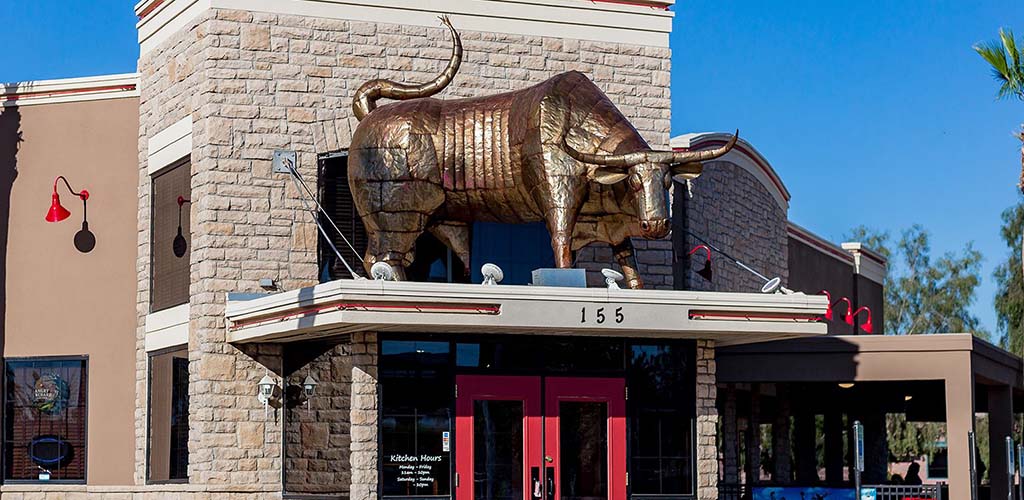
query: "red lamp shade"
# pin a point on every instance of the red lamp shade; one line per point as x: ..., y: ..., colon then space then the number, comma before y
x: 705, y: 272
x: 828, y: 312
x: 867, y: 326
x: 57, y: 211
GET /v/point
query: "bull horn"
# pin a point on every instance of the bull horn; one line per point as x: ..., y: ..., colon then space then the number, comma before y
x: 638, y: 157
x: 624, y: 160
x: 691, y: 156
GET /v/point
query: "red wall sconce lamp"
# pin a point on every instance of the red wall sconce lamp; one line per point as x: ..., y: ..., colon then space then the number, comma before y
x: 179, y: 245
x: 706, y: 271
x: 85, y: 241
x: 849, y: 309
x: 867, y: 326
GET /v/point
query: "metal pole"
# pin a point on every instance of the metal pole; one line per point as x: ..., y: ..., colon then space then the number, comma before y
x: 858, y: 465
x: 973, y: 450
x: 1020, y: 471
x: 1009, y: 468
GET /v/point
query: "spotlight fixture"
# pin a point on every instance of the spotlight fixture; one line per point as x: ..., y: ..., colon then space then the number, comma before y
x: 492, y: 274
x: 706, y: 271
x: 611, y: 278
x: 846, y: 385
x: 382, y: 271
x: 828, y: 312
x: 867, y: 326
x: 908, y: 397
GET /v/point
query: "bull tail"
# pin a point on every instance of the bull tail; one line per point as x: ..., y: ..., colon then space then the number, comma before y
x: 366, y: 97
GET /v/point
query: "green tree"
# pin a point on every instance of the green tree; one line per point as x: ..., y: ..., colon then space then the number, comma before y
x: 1010, y: 294
x: 922, y: 295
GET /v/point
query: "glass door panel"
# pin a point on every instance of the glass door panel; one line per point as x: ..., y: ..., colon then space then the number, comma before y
x: 498, y: 438
x: 585, y: 438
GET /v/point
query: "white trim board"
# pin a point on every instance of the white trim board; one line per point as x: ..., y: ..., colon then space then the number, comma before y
x: 90, y: 88
x: 169, y: 145
x: 572, y: 19
x: 167, y: 328
x: 867, y: 262
x: 346, y: 306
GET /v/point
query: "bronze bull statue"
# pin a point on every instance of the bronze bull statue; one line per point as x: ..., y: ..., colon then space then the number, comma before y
x: 558, y: 152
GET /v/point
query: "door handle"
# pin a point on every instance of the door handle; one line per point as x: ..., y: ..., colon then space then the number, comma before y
x: 536, y: 486
x: 550, y: 477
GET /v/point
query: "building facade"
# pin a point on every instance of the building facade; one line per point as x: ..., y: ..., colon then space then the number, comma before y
x: 239, y: 360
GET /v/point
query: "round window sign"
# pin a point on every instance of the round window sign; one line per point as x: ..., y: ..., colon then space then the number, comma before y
x: 50, y: 394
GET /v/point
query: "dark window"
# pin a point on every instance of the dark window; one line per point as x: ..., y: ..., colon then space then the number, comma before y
x: 662, y: 398
x: 45, y: 432
x: 171, y: 237
x: 503, y: 244
x: 416, y: 399
x: 336, y: 199
x: 168, y: 416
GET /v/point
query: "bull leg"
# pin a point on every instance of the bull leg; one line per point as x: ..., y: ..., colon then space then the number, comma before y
x: 561, y: 222
x: 455, y: 236
x: 395, y: 248
x: 626, y: 257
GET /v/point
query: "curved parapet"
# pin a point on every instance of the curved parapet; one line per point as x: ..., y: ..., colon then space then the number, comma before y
x: 744, y: 155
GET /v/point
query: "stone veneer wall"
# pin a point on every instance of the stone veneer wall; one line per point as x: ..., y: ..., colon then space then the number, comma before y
x: 256, y: 82
x: 707, y: 422
x: 729, y: 207
x: 317, y: 440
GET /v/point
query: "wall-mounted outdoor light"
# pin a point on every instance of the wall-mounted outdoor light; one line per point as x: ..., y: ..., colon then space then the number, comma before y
x: 846, y: 385
x: 848, y: 318
x: 492, y: 274
x: 85, y: 241
x: 612, y: 278
x: 866, y: 326
x: 705, y: 271
x: 309, y: 389
x: 179, y: 244
x: 266, y: 391
x: 828, y: 311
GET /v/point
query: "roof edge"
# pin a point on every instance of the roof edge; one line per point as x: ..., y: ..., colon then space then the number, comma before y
x: 755, y: 163
x: 62, y: 90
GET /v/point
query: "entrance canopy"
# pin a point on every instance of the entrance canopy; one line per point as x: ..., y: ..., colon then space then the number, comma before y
x: 348, y: 306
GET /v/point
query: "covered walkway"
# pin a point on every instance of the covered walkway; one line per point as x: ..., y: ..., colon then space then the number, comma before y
x: 796, y: 384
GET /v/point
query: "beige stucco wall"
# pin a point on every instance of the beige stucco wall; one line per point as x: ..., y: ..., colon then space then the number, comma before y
x: 58, y: 301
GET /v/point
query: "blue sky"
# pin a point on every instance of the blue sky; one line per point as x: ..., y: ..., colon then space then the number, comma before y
x: 872, y: 112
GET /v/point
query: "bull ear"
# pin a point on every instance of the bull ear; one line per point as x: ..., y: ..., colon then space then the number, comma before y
x: 607, y: 175
x: 686, y: 171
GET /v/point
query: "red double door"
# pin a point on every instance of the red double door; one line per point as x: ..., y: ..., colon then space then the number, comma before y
x: 551, y: 438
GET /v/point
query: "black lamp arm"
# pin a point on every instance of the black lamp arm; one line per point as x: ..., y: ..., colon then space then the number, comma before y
x: 83, y: 194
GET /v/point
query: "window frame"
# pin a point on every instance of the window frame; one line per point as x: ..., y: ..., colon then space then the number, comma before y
x: 185, y: 162
x: 84, y: 358
x: 149, y: 413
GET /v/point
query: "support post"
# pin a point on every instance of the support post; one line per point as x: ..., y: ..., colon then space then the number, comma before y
x: 959, y: 389
x: 754, y: 437
x: 1000, y: 425
x: 833, y: 447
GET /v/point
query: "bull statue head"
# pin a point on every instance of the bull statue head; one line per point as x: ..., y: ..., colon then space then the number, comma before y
x: 648, y: 175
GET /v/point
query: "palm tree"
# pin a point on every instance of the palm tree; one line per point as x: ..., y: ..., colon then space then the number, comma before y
x: 1007, y: 63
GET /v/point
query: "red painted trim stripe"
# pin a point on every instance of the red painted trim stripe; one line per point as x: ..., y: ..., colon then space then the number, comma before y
x: 828, y: 248
x: 53, y: 93
x: 633, y: 3
x: 741, y: 315
x: 764, y: 168
x: 149, y: 10
x: 369, y: 306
